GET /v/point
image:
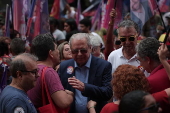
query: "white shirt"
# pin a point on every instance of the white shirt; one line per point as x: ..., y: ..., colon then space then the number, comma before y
x: 58, y: 35
x: 116, y: 58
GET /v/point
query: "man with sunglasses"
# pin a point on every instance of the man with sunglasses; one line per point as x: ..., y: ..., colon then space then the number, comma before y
x: 13, y: 98
x: 128, y: 34
x: 87, y: 76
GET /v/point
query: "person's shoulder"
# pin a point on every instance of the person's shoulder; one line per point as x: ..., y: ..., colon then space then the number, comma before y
x: 110, y: 107
x: 99, y: 60
x: 115, y: 52
x: 67, y: 62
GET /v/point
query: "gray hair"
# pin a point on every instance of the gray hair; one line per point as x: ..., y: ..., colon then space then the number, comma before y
x: 128, y: 23
x: 94, y: 41
x: 148, y: 47
x: 80, y: 36
x: 18, y: 63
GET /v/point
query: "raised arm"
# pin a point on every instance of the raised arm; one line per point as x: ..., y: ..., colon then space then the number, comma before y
x: 163, y: 52
x: 109, y: 37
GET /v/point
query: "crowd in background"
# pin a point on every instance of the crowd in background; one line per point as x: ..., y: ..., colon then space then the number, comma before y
x: 110, y: 70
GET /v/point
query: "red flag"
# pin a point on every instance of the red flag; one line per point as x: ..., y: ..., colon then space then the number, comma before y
x: 164, y: 5
x: 55, y: 11
x: 70, y: 1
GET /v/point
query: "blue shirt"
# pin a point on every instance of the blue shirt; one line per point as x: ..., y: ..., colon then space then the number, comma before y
x: 13, y: 100
x: 82, y: 74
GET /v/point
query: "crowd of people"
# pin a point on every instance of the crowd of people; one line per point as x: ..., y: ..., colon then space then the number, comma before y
x: 85, y: 72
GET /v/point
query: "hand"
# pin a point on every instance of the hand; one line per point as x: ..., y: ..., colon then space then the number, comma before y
x: 113, y: 14
x: 69, y: 92
x: 162, y: 52
x: 77, y: 84
x: 91, y: 103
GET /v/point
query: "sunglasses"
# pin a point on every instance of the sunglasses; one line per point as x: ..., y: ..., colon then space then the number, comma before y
x: 123, y: 39
x: 153, y: 108
x: 35, y: 71
x: 76, y: 51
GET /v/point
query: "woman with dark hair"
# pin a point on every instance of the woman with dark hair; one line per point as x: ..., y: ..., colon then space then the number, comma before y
x: 70, y: 26
x: 138, y: 101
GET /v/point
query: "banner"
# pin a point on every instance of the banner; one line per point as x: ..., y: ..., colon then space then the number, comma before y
x: 19, y: 11
x: 41, y: 17
x: 140, y: 12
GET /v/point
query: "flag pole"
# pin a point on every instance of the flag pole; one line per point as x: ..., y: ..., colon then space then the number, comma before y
x: 161, y: 16
x: 12, y: 16
x: 166, y: 36
x: 115, y: 4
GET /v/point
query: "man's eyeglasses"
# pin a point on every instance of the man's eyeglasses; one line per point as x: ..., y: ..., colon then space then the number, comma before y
x: 76, y: 51
x: 153, y: 108
x: 35, y: 71
x: 123, y: 39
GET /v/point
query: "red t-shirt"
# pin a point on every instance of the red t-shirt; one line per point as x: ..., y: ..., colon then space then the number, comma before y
x: 53, y: 82
x: 110, y: 108
x: 162, y: 98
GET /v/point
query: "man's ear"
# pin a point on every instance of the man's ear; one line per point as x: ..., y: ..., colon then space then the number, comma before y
x: 148, y: 60
x: 50, y: 53
x: 19, y: 74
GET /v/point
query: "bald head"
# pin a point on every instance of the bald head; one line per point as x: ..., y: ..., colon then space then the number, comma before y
x: 20, y: 61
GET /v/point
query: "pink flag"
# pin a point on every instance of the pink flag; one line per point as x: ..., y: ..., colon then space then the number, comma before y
x: 19, y: 10
x: 41, y: 25
x: 119, y: 10
x: 78, y: 12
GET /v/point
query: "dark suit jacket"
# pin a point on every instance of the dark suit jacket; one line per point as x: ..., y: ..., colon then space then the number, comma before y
x: 98, y: 87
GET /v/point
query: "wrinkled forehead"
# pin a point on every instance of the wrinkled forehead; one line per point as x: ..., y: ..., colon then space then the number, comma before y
x: 127, y: 30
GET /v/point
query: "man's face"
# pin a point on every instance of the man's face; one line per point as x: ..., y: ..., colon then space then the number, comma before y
x: 83, y: 28
x: 128, y: 34
x: 135, y: 5
x: 144, y: 63
x: 30, y: 75
x: 80, y: 51
x: 55, y: 56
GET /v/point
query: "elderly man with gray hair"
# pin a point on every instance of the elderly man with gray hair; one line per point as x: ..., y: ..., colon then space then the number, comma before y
x: 149, y: 59
x: 96, y: 47
x: 87, y: 76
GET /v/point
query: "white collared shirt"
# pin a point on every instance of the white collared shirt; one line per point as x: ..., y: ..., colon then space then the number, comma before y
x: 117, y: 58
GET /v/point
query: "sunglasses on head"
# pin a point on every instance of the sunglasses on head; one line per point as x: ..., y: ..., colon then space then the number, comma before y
x: 153, y: 108
x: 123, y: 39
x: 76, y: 51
